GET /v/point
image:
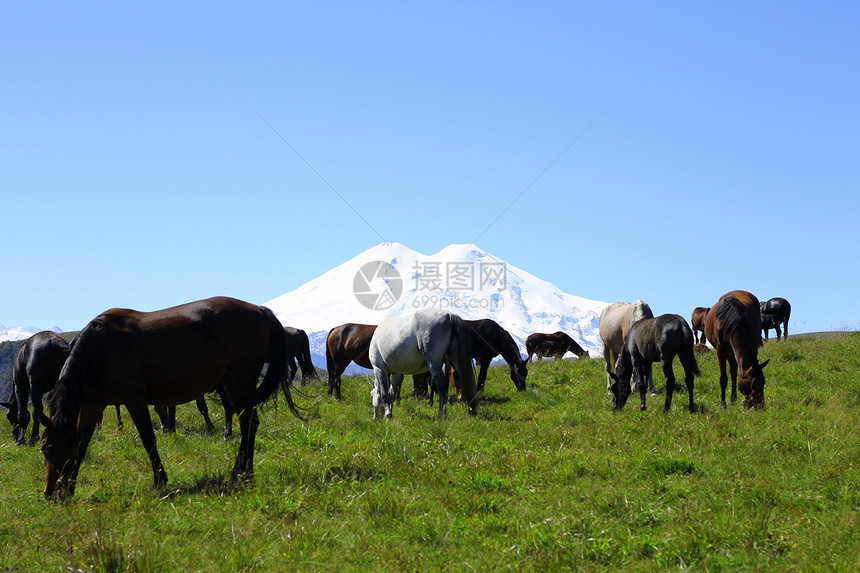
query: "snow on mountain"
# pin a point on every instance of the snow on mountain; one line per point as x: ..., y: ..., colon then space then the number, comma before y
x: 22, y: 332
x: 392, y: 279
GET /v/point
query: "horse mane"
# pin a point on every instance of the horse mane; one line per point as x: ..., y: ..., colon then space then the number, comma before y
x: 83, y: 364
x: 640, y: 310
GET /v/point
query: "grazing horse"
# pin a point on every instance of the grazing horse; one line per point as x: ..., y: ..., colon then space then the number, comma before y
x: 346, y: 343
x: 651, y: 340
x: 553, y: 345
x: 775, y: 313
x: 616, y: 320
x: 697, y: 323
x: 166, y: 357
x: 35, y: 370
x: 488, y: 340
x: 299, y: 351
x: 415, y: 344
x: 733, y: 327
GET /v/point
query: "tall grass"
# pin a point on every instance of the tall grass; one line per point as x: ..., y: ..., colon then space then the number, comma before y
x: 544, y: 479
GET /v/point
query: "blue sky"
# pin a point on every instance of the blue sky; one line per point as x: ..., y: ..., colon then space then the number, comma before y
x: 146, y: 155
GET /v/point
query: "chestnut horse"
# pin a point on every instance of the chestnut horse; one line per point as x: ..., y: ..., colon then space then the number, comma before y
x: 651, y: 340
x: 553, y: 345
x: 733, y: 327
x: 166, y: 357
x: 697, y: 323
x: 346, y: 343
x: 775, y: 313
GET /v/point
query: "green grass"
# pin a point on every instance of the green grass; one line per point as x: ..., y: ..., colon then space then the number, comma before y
x: 541, y: 480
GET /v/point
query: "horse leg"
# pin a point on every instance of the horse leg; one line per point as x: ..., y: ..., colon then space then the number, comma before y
x: 651, y: 380
x: 228, y: 410
x: 482, y: 373
x: 379, y: 394
x: 441, y: 382
x: 167, y: 416
x: 118, y: 417
x: 733, y: 370
x: 724, y: 379
x: 140, y: 416
x: 669, y: 374
x: 778, y: 333
x: 640, y: 375
x: 609, y: 358
x: 248, y: 423
x: 396, y: 383
x: 785, y: 328
x: 36, y: 393
x: 204, y: 411
x: 87, y: 420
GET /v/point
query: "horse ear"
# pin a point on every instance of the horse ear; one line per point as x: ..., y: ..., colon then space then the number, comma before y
x: 763, y: 364
x: 46, y: 421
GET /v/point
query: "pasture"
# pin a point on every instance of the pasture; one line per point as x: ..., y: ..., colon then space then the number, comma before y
x: 539, y: 480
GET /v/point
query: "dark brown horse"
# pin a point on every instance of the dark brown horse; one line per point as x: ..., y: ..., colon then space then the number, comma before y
x: 346, y: 343
x: 733, y: 327
x: 488, y: 340
x: 553, y: 345
x: 165, y: 358
x: 697, y: 323
x: 299, y: 352
x: 775, y: 313
x: 651, y: 340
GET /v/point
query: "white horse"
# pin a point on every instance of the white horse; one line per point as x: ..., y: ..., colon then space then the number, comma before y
x: 616, y: 320
x: 416, y: 344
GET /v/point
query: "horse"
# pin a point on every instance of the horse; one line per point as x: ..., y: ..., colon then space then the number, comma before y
x: 346, y: 343
x: 697, y: 323
x: 299, y: 352
x: 651, y: 340
x: 616, y: 320
x: 775, y: 313
x: 553, y: 345
x: 35, y: 370
x: 733, y: 327
x: 415, y: 344
x: 166, y: 357
x: 488, y: 340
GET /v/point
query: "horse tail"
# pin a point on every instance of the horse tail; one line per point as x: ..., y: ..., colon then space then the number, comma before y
x: 730, y: 314
x: 276, y: 374
x: 329, y: 360
x: 460, y: 354
x: 304, y: 358
x: 687, y: 355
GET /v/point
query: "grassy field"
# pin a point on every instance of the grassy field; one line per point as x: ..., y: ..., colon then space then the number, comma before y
x: 541, y: 480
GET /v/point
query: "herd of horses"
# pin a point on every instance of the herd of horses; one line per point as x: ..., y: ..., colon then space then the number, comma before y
x: 242, y: 352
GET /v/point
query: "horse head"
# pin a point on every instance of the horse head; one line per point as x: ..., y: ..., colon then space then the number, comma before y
x: 519, y: 371
x: 18, y: 420
x: 751, y: 385
x: 620, y: 386
x: 60, y: 449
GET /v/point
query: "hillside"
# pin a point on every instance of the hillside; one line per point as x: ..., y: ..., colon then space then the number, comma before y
x: 547, y: 479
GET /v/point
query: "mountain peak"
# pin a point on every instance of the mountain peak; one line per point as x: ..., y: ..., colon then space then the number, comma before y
x: 392, y: 279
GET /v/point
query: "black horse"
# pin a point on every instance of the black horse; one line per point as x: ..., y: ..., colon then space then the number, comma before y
x: 651, y: 340
x: 775, y: 313
x: 489, y: 340
x: 35, y: 371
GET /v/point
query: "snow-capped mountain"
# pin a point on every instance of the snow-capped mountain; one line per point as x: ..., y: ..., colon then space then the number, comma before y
x: 392, y: 279
x: 22, y: 332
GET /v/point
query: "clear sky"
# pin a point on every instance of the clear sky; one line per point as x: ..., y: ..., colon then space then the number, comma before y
x: 161, y: 152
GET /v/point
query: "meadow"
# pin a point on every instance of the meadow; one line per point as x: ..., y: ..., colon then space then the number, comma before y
x: 543, y: 480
